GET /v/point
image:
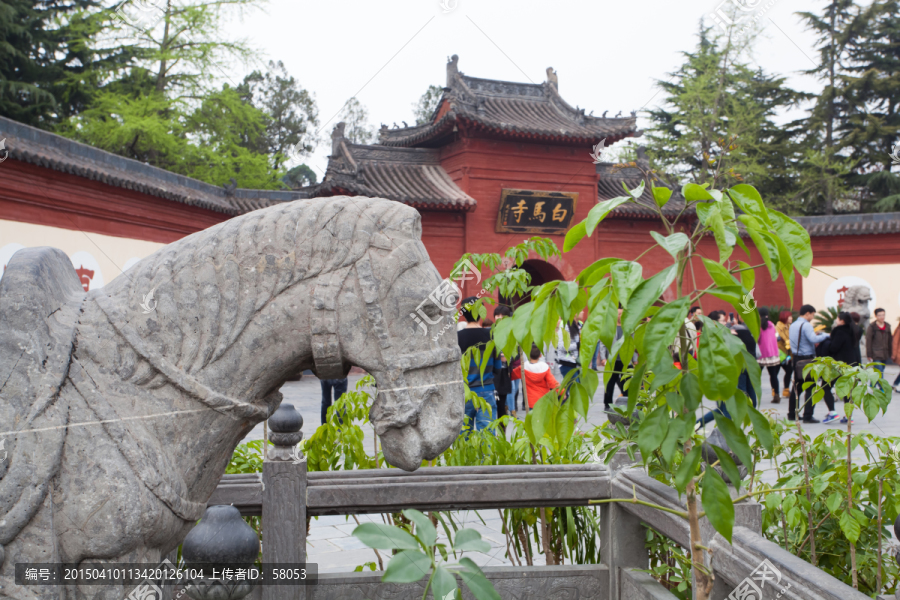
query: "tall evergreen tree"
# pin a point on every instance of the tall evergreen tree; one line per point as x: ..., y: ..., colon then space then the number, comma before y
x: 292, y: 113
x: 49, y: 68
x: 872, y: 86
x: 717, y: 106
x: 826, y: 167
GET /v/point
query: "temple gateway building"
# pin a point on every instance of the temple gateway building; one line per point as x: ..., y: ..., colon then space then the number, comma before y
x: 497, y: 163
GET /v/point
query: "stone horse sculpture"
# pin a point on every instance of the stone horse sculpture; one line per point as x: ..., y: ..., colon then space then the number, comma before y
x: 121, y: 407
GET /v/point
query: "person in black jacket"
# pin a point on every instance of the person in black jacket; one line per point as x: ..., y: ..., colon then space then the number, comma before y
x: 857, y: 334
x: 844, y: 343
x: 843, y: 346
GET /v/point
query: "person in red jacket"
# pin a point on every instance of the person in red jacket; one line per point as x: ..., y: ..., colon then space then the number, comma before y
x: 538, y: 378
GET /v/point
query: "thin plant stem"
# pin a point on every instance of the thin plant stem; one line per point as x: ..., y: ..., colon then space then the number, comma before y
x: 783, y: 520
x: 380, y: 564
x: 853, y: 569
x: 430, y: 578
x: 812, y: 539
x: 878, y: 573
x: 679, y: 513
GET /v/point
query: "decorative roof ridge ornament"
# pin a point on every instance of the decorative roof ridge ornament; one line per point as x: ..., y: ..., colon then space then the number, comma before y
x: 552, y: 78
x: 337, y: 134
x: 452, y: 69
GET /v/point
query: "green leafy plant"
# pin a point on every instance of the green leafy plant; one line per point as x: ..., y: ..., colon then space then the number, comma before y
x: 670, y: 564
x: 337, y: 444
x: 668, y: 397
x: 826, y: 317
x: 418, y: 557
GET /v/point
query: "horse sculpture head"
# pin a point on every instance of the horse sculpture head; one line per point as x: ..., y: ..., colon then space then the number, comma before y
x: 319, y: 284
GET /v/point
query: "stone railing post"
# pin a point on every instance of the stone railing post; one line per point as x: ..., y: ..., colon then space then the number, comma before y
x: 622, y: 544
x: 284, y: 499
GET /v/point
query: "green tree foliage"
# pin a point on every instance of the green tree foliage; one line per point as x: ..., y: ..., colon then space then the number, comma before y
x: 48, y: 67
x: 181, y: 41
x: 715, y: 103
x: 291, y: 110
x: 208, y: 143
x: 424, y: 108
x: 826, y: 167
x: 164, y: 108
x: 872, y: 84
x: 300, y: 176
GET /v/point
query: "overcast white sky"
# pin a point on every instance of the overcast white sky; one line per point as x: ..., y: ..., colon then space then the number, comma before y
x: 607, y: 54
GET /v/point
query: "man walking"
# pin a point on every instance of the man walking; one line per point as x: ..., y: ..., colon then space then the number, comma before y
x: 474, y: 334
x: 803, y: 350
x: 878, y: 340
x: 601, y: 358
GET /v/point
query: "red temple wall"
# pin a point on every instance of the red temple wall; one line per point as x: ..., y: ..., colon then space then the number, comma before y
x: 484, y: 167
x: 33, y: 194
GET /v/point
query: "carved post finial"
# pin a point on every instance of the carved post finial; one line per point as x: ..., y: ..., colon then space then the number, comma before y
x: 284, y: 431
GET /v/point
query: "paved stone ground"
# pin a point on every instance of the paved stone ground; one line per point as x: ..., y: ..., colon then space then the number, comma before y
x: 334, y: 549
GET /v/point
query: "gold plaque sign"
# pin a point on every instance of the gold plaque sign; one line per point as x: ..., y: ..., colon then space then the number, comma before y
x: 532, y: 211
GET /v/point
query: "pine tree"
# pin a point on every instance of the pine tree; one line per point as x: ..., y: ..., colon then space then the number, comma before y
x: 872, y: 85
x: 49, y: 67
x: 826, y: 169
x: 716, y: 105
x: 291, y: 110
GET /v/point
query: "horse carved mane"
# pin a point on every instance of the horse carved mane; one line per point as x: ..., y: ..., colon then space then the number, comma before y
x: 311, y: 238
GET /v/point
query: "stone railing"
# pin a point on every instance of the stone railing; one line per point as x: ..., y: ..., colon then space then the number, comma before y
x: 285, y: 493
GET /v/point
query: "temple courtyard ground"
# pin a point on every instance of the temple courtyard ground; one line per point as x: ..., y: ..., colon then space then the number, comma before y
x: 334, y: 549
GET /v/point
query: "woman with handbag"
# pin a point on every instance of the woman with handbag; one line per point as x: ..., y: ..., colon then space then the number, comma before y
x: 782, y: 328
x: 767, y: 351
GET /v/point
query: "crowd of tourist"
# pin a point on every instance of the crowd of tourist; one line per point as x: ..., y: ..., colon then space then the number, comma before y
x: 785, y: 346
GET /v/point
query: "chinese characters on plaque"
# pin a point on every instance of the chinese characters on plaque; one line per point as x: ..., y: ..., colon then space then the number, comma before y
x: 530, y: 211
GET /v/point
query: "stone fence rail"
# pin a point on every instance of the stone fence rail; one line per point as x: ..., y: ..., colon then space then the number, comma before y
x: 285, y: 493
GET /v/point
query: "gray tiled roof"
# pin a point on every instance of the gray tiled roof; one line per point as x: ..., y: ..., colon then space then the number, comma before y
x: 612, y: 176
x: 38, y: 147
x: 514, y: 110
x: 413, y: 176
x: 872, y: 223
